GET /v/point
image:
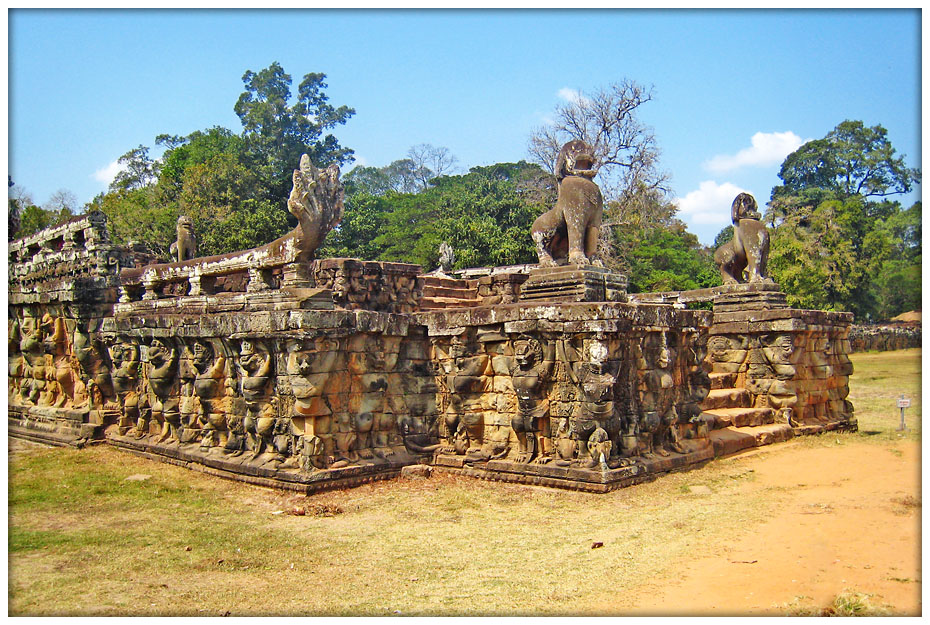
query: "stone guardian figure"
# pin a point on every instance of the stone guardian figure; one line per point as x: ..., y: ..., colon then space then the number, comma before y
x: 748, y: 251
x: 570, y: 229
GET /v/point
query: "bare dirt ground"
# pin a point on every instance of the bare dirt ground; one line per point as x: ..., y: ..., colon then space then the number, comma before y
x: 848, y: 519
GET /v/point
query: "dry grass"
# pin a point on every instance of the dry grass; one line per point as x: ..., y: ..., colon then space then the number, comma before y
x: 84, y: 541
x: 848, y: 603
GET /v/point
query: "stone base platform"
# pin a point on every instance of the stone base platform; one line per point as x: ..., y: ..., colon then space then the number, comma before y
x: 53, y: 426
x: 263, y: 471
x: 600, y: 479
x: 574, y: 283
x: 753, y: 296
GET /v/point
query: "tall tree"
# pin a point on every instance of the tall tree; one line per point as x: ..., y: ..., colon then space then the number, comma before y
x: 137, y: 170
x: 837, y: 241
x: 851, y: 160
x: 608, y: 120
x: 277, y: 132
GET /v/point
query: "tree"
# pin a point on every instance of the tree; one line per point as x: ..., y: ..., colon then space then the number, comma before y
x: 837, y: 242
x: 851, y: 160
x: 647, y: 242
x: 137, y: 170
x: 608, y: 121
x: 485, y: 215
x: 277, y: 133
x: 63, y: 203
x: 413, y: 174
x: 234, y: 187
x: 430, y: 162
x: 137, y: 216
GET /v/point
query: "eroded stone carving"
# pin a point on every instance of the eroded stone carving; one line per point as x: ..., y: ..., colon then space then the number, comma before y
x: 530, y: 371
x: 316, y: 200
x: 161, y: 402
x: 659, y: 393
x: 257, y: 420
x: 744, y: 258
x: 467, y: 376
x: 594, y: 416
x: 207, y: 383
x: 185, y: 247
x: 569, y: 231
x: 124, y: 357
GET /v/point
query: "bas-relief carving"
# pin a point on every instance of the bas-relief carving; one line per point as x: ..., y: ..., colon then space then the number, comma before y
x: 659, y: 394
x: 802, y: 376
x: 161, y: 405
x: 594, y: 411
x: 126, y: 363
x: 94, y: 368
x: 467, y: 377
x: 207, y: 382
x: 574, y: 400
x: 530, y: 370
x: 312, y: 364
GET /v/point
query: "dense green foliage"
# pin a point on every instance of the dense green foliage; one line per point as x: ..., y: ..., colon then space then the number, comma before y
x: 833, y: 246
x: 233, y: 186
x: 485, y: 215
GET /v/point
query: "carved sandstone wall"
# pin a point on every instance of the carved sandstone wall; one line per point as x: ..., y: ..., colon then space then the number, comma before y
x: 318, y: 374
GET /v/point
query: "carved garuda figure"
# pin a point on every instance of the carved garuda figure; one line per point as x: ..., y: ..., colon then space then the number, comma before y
x: 317, y: 202
x: 570, y: 228
x: 748, y: 250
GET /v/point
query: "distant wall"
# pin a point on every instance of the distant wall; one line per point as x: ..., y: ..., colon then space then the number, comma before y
x: 886, y: 337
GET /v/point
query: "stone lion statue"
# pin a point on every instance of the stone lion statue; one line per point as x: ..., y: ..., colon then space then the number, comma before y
x: 570, y: 229
x: 744, y: 257
x: 185, y: 248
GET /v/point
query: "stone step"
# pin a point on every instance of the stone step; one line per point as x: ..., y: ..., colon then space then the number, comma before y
x: 433, y: 303
x: 446, y: 291
x: 722, y: 380
x: 727, y: 398
x: 730, y: 440
x: 453, y: 283
x: 717, y: 418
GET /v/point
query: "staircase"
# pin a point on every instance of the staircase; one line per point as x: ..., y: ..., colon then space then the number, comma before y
x: 734, y: 423
x: 445, y: 292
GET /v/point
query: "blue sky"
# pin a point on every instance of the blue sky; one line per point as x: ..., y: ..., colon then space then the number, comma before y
x: 735, y: 91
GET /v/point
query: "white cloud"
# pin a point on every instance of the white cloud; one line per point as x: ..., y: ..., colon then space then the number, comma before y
x: 768, y: 148
x: 709, y: 203
x: 572, y: 95
x: 360, y: 161
x: 108, y: 173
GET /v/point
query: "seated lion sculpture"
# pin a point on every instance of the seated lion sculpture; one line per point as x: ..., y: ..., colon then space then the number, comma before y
x: 744, y: 257
x: 570, y: 229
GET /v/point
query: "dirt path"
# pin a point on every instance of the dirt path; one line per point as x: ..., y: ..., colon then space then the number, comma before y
x: 848, y: 517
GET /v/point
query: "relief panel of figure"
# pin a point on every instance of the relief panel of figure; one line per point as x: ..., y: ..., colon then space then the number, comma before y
x: 658, y: 394
x: 208, y: 382
x: 468, y: 373
x: 530, y: 371
x: 162, y: 395
x: 311, y: 365
x: 125, y: 359
x: 595, y: 410
x: 258, y: 422
x: 31, y: 346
